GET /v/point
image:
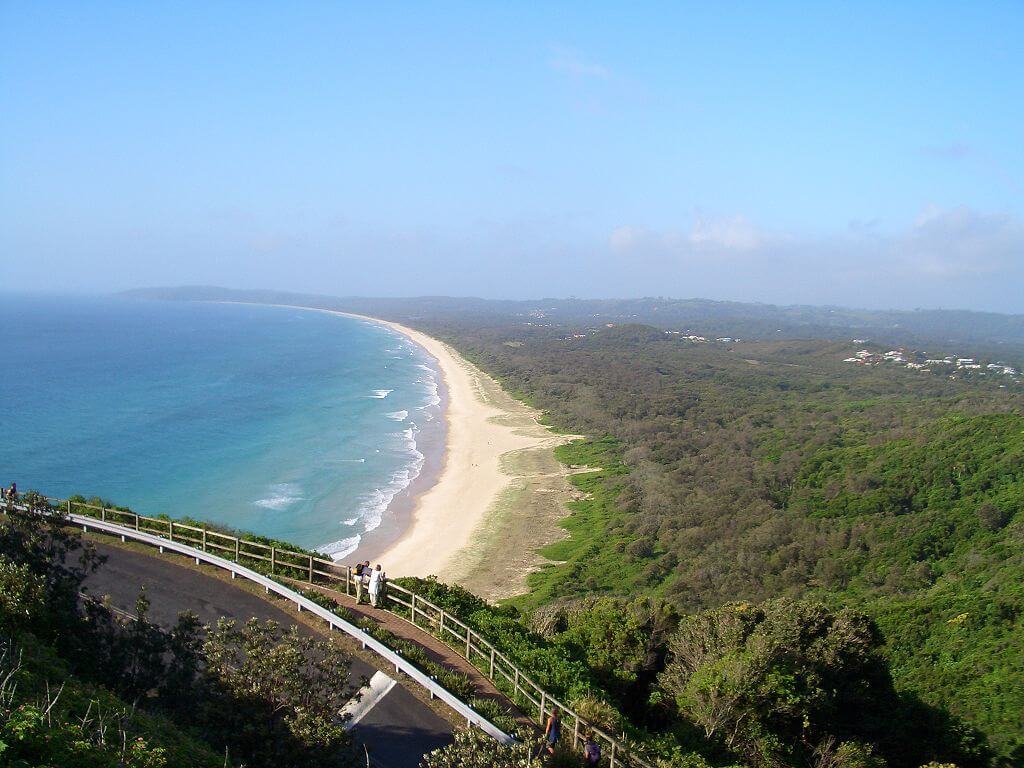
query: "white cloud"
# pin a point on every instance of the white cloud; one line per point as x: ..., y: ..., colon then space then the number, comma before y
x: 730, y: 234
x: 637, y: 239
x: 945, y: 257
x: 575, y: 64
x: 960, y: 241
x: 956, y: 150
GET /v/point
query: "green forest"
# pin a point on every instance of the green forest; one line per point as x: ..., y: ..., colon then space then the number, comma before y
x: 760, y: 471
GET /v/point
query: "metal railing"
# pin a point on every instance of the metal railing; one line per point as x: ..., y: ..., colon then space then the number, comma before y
x: 405, y: 604
x: 400, y: 664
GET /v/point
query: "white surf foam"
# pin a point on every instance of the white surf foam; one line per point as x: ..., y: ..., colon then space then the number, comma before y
x: 431, y: 387
x: 338, y: 550
x: 375, y: 504
x: 282, y: 496
x: 380, y: 394
x: 398, y: 415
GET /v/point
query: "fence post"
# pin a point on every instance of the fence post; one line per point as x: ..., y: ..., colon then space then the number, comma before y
x: 612, y: 759
x: 414, y: 609
x: 469, y: 637
x: 273, y: 559
x: 171, y: 531
x: 136, y: 522
x: 348, y: 579
x: 237, y: 556
x: 310, y: 569
x: 204, y: 539
x: 491, y: 675
x: 440, y: 627
x: 103, y: 514
x: 575, y: 731
x: 543, y: 701
x: 69, y: 506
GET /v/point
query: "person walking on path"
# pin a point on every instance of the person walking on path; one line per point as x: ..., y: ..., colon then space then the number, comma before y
x: 552, y: 733
x: 591, y: 751
x: 357, y: 573
x: 377, y: 579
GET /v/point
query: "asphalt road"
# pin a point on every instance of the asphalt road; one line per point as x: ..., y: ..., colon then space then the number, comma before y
x: 397, y: 731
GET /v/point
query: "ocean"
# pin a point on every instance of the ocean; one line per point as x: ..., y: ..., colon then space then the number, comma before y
x: 288, y: 423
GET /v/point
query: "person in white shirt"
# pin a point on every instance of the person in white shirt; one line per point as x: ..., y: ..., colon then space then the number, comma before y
x: 377, y: 580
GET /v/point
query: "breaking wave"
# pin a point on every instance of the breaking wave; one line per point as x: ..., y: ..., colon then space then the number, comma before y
x: 338, y: 550
x: 283, y: 495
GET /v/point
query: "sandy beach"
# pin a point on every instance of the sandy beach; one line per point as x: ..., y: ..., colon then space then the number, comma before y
x: 500, y: 492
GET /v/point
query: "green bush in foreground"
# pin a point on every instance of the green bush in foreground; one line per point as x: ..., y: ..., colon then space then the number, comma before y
x: 473, y: 749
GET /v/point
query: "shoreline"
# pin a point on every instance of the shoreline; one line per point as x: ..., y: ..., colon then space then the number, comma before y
x: 496, y: 498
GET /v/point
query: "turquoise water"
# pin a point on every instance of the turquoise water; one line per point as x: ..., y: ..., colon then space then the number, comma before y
x: 284, y: 422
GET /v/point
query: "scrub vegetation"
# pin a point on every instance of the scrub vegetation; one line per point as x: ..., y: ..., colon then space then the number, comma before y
x: 733, y: 476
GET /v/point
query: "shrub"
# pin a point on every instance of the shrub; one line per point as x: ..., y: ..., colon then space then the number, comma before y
x: 763, y: 680
x: 472, y: 749
x: 992, y: 518
x: 496, y: 713
x: 599, y: 713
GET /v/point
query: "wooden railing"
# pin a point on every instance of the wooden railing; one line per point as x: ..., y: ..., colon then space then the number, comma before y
x: 407, y: 605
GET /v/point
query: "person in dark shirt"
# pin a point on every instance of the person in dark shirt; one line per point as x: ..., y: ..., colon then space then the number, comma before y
x: 591, y: 751
x: 552, y: 733
x: 358, y: 573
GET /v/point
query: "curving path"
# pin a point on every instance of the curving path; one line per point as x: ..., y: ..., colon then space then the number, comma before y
x: 396, y: 727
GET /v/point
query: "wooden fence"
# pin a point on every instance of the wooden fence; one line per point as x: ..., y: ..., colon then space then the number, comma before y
x: 407, y: 605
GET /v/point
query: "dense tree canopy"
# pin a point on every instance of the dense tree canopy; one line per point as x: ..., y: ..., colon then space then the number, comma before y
x: 753, y: 471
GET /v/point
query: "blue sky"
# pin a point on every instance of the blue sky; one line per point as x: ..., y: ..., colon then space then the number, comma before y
x: 857, y: 153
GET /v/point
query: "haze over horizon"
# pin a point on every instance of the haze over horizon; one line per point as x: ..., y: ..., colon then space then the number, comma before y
x: 863, y: 156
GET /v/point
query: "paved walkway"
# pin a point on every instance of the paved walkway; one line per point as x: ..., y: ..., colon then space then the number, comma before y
x: 436, y: 650
x: 398, y: 728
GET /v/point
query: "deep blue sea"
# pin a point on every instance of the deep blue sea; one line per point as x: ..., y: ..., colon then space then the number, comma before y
x: 285, y: 422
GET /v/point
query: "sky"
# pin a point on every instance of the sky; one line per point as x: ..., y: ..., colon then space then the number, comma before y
x: 859, y: 154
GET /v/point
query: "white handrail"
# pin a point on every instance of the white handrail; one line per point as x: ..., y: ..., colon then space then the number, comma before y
x: 471, y: 716
x: 619, y: 754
